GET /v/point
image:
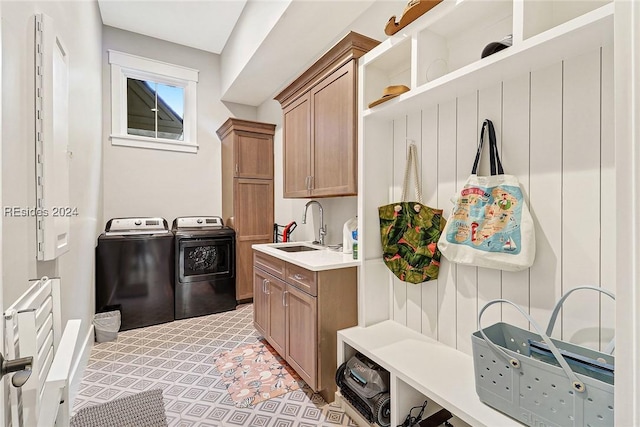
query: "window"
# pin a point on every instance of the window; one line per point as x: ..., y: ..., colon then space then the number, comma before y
x: 153, y: 104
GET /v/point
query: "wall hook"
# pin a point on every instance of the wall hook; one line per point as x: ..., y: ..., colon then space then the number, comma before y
x: 21, y: 367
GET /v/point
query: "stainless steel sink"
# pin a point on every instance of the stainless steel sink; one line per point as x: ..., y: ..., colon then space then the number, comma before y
x: 299, y: 248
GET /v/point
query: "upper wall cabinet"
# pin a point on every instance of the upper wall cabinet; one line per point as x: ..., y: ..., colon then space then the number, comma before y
x: 320, y: 123
x: 439, y: 55
x: 250, y: 150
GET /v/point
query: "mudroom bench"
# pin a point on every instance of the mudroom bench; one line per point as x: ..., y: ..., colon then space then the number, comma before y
x: 421, y: 368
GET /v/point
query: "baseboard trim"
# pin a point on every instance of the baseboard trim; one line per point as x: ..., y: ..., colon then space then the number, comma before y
x: 80, y: 365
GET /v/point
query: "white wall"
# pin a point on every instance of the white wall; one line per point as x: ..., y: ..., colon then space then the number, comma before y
x: 555, y: 130
x: 80, y: 27
x: 256, y: 21
x: 144, y: 182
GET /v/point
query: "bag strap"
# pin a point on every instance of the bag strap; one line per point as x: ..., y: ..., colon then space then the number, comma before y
x: 412, y: 163
x: 554, y: 315
x: 494, y: 157
x: 515, y: 363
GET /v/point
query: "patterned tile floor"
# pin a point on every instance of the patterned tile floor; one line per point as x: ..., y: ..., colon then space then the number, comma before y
x: 178, y: 357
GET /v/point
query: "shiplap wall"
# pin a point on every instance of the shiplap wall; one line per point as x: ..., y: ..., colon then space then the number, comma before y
x: 555, y: 132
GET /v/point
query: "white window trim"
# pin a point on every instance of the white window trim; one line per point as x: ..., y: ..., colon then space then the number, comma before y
x: 123, y: 66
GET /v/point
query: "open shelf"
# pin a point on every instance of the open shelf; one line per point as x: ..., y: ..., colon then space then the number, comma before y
x: 392, y: 67
x: 457, y: 39
x: 408, y: 397
x: 572, y: 38
x: 423, y: 367
x: 544, y: 15
x: 352, y: 412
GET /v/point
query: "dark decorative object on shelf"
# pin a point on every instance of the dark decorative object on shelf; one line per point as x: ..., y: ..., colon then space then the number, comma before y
x: 494, y: 47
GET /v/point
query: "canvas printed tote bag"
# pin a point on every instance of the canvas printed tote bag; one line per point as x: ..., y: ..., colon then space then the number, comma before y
x: 490, y: 224
x: 410, y: 232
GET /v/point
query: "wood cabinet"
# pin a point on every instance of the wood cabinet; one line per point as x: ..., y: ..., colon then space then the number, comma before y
x: 247, y: 192
x: 277, y: 315
x: 299, y: 313
x: 319, y: 124
x: 260, y: 302
x: 302, y: 344
x: 297, y: 148
x: 334, y: 145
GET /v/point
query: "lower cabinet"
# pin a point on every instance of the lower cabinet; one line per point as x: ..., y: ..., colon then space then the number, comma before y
x: 260, y: 302
x: 244, y: 267
x: 299, y: 313
x: 302, y: 347
x: 277, y: 315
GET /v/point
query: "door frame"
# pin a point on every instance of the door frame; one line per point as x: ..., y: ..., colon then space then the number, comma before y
x: 627, y: 128
x: 3, y: 413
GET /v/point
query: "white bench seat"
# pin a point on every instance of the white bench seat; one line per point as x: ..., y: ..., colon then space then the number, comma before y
x: 420, y: 364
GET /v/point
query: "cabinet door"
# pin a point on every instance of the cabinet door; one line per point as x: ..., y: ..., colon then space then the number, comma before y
x: 253, y: 155
x: 334, y: 145
x: 276, y: 331
x: 253, y: 209
x: 260, y: 302
x: 244, y: 269
x: 302, y: 338
x: 296, y: 147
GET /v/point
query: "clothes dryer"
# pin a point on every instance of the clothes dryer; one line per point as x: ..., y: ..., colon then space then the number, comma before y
x: 205, y: 266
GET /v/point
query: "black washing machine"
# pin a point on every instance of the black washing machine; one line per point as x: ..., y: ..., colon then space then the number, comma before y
x: 205, y: 266
x: 135, y: 271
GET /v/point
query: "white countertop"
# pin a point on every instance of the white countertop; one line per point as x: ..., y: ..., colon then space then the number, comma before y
x: 319, y: 260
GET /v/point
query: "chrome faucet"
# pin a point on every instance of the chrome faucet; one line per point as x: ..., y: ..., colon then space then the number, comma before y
x: 323, y: 228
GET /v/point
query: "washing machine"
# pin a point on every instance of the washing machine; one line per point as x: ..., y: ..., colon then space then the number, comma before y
x: 135, y: 271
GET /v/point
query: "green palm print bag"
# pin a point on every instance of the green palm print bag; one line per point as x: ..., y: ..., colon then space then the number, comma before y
x: 410, y: 233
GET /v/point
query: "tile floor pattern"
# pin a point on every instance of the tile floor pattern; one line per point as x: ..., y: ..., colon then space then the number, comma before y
x: 178, y: 357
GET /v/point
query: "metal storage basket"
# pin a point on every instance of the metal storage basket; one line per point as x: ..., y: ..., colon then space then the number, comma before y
x: 533, y: 391
x: 282, y: 233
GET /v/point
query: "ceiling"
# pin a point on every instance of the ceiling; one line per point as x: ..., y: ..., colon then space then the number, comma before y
x: 268, y: 42
x: 204, y: 25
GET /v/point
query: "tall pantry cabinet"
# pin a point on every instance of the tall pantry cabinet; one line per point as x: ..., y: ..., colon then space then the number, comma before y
x: 247, y: 192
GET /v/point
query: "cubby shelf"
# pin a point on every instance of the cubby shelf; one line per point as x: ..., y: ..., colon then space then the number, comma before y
x: 593, y: 29
x: 440, y: 373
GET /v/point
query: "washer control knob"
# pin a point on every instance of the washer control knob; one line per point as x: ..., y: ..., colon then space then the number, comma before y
x: 138, y: 222
x: 199, y: 220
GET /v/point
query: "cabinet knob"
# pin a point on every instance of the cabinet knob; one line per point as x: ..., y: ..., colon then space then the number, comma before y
x: 284, y: 298
x: 237, y: 169
x: 298, y: 276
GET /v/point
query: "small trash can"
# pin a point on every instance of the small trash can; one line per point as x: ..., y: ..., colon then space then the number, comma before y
x: 107, y: 326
